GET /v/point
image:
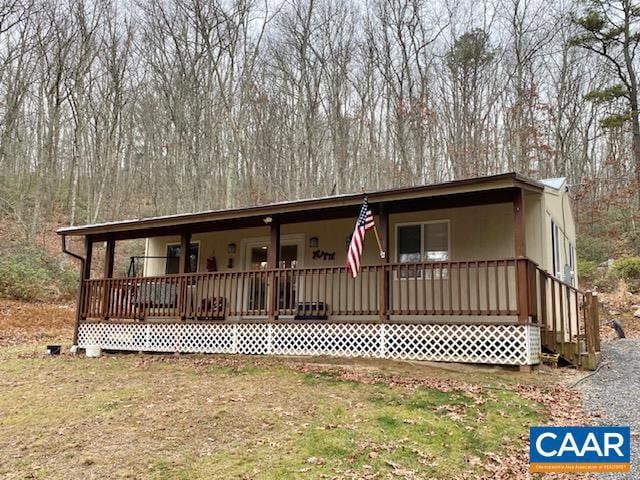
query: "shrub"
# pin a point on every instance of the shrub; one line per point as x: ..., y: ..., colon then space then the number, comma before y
x: 607, y: 282
x: 587, y: 271
x: 28, y: 273
x: 628, y: 268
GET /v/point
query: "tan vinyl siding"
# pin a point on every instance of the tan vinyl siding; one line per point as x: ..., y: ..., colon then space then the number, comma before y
x: 475, y: 233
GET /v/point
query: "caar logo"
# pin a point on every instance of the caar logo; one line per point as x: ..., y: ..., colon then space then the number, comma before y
x: 579, y: 449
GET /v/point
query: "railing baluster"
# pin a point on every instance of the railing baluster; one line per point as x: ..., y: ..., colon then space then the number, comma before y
x: 361, y: 308
x: 441, y: 285
x: 487, y: 289
x: 351, y: 294
x: 459, y: 283
x: 497, y: 287
x: 506, y: 287
x: 450, y: 287
x: 414, y: 310
x: 468, y: 288
x: 569, y: 315
x: 315, y: 305
x: 403, y: 278
x: 294, y: 287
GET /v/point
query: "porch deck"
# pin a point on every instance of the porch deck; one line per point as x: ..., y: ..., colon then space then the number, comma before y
x: 466, y: 311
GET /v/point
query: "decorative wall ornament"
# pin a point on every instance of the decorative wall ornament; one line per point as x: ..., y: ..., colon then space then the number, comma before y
x: 212, y: 265
x: 322, y: 255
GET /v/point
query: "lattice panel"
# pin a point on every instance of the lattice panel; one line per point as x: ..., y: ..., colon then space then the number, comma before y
x: 493, y: 344
x: 334, y: 339
x: 535, y: 344
x: 498, y: 344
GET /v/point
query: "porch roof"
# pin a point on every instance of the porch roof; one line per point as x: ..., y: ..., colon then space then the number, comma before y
x: 471, y: 191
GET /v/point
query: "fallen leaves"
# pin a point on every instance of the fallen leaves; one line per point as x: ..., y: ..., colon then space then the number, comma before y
x: 621, y: 305
x: 28, y: 322
x: 22, y: 322
x: 400, y: 471
x: 390, y: 380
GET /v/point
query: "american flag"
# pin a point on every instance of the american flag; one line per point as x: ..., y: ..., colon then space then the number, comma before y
x: 354, y: 254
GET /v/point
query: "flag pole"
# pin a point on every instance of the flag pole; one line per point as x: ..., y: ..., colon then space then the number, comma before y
x: 383, y: 254
x: 375, y: 230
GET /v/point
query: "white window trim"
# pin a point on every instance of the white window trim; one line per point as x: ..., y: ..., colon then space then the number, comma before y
x: 421, y: 223
x: 178, y: 244
x: 556, y: 244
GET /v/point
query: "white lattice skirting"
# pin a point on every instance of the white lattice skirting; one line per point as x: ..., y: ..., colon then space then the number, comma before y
x: 494, y: 344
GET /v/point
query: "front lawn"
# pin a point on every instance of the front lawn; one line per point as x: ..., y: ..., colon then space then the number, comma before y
x: 150, y: 416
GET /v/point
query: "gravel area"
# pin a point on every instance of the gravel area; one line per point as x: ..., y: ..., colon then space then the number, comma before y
x: 614, y: 394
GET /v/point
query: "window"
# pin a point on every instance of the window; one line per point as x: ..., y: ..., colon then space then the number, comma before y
x: 173, y: 258
x: 410, y: 243
x: 555, y: 249
x: 571, y: 256
x: 436, y: 241
x: 426, y: 242
x: 572, y: 264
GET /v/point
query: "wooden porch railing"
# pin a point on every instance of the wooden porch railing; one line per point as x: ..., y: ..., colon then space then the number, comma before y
x: 568, y: 317
x: 478, y: 287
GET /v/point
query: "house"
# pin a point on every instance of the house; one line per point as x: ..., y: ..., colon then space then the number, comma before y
x: 481, y: 270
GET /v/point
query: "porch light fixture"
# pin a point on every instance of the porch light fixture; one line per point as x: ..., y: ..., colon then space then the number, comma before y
x: 231, y: 248
x: 313, y: 242
x: 267, y: 220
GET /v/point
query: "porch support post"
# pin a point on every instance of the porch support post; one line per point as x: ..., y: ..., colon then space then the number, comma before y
x: 88, y: 248
x: 591, y: 357
x: 383, y: 278
x: 85, y: 273
x: 185, y: 241
x: 522, y: 277
x: 273, y: 262
x: 109, y: 254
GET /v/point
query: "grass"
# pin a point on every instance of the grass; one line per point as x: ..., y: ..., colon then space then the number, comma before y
x: 139, y: 416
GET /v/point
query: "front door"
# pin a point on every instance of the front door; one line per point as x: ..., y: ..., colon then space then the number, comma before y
x: 257, y: 253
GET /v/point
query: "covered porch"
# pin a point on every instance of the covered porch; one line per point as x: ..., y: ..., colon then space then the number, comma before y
x: 473, y: 305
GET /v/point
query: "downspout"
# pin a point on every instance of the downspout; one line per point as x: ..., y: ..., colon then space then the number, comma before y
x: 80, y: 288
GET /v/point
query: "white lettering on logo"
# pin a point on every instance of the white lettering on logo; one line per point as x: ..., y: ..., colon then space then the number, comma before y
x: 609, y: 445
x: 539, y: 448
x: 590, y: 445
x: 569, y: 445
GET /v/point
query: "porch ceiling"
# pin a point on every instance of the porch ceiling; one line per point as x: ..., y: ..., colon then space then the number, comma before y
x: 474, y: 191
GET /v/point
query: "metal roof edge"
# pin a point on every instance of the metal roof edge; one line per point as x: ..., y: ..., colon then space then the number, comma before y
x: 296, y: 205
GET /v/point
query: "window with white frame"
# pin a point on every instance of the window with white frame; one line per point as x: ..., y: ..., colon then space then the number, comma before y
x: 555, y: 249
x: 572, y: 263
x: 422, y: 242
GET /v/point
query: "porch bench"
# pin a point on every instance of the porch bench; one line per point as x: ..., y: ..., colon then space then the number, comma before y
x: 311, y: 311
x: 155, y: 296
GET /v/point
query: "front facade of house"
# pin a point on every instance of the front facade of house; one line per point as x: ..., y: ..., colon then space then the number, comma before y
x: 479, y: 270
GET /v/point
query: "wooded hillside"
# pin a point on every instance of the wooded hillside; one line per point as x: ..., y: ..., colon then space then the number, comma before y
x: 112, y: 109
